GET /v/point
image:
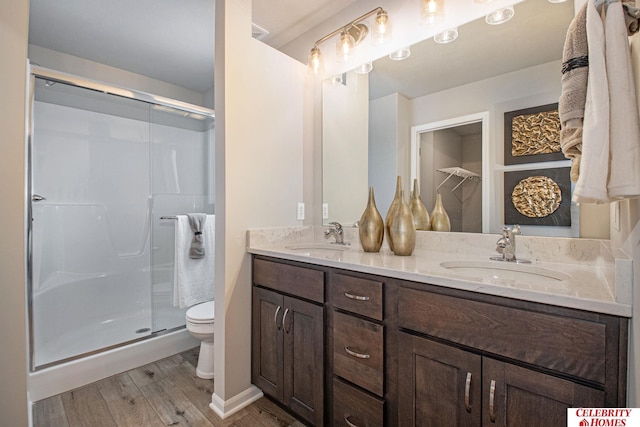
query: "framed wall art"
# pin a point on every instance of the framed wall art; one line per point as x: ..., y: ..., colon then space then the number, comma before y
x: 532, y: 135
x: 538, y: 197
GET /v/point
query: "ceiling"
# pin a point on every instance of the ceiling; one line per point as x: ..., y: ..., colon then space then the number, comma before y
x: 166, y: 40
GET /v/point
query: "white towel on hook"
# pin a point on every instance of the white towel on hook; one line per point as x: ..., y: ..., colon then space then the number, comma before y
x: 193, y: 279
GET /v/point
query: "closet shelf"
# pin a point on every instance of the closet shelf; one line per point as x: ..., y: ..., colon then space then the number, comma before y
x: 459, y: 172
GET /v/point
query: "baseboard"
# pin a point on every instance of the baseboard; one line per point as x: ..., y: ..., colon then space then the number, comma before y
x: 226, y: 408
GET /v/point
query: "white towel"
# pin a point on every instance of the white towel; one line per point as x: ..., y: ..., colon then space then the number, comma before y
x: 594, y: 163
x: 610, y: 164
x: 624, y: 126
x: 193, y: 279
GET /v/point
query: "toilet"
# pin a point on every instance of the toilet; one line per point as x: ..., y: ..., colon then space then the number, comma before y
x: 200, y: 320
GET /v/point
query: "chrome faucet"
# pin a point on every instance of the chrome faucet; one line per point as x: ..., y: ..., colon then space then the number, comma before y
x: 335, y: 230
x: 507, y: 245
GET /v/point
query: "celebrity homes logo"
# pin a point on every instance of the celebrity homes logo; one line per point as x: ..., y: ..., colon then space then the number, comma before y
x: 603, y: 417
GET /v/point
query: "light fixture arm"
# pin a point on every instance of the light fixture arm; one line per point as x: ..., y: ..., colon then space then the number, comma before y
x: 349, y: 25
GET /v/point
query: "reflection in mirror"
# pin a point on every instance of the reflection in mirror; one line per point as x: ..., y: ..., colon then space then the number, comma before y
x: 492, y: 69
x: 447, y: 160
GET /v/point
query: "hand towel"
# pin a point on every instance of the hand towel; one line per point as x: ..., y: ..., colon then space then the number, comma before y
x: 193, y: 278
x: 575, y: 63
x: 197, y: 222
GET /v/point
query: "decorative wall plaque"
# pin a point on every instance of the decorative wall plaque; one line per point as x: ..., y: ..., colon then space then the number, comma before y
x: 532, y: 135
x: 538, y: 197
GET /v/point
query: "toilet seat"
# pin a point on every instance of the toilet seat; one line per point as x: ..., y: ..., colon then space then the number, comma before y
x: 201, y: 313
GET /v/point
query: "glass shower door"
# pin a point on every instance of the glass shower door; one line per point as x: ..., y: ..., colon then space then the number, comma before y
x: 90, y: 170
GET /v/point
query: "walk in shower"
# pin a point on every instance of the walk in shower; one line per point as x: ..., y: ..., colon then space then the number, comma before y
x: 109, y: 169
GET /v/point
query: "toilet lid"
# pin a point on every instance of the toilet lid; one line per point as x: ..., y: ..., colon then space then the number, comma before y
x: 202, y: 313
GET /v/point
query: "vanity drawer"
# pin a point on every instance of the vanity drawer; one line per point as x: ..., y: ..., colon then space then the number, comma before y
x: 352, y: 406
x: 358, y: 352
x: 298, y: 281
x: 563, y: 344
x: 361, y: 296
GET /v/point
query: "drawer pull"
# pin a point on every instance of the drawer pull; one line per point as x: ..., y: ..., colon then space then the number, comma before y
x: 467, y: 397
x: 356, y: 354
x: 356, y: 297
x: 349, y: 423
x: 492, y: 398
x: 284, y: 319
x: 275, y: 318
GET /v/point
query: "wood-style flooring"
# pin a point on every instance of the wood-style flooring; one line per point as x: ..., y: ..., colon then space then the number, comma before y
x: 163, y: 393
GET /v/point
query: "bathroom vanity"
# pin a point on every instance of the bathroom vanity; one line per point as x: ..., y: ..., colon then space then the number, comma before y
x: 355, y: 339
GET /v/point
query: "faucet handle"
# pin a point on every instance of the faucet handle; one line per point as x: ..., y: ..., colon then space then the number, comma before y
x: 515, y: 229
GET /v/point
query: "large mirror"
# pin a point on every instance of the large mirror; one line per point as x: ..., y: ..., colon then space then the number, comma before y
x: 375, y: 125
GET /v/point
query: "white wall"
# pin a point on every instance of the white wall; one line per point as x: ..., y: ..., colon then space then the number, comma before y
x: 262, y: 99
x: 14, y: 21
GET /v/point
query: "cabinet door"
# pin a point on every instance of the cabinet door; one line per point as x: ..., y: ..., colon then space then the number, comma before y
x: 439, y: 385
x: 303, y: 326
x: 267, y: 342
x: 516, y: 396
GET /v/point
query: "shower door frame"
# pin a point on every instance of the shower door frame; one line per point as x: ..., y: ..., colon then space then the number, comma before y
x: 36, y: 71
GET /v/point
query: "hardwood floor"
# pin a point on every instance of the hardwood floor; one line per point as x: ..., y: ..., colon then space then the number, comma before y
x: 163, y: 393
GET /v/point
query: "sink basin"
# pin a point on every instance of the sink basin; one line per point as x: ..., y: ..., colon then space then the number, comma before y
x: 497, y: 271
x: 318, y: 250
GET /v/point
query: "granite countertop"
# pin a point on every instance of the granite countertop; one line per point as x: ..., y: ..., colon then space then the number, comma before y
x: 591, y: 278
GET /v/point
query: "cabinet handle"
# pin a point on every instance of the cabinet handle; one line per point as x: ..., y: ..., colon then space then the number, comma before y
x: 467, y: 397
x: 492, y: 398
x: 275, y: 318
x: 284, y: 319
x: 349, y: 423
x: 355, y: 354
x: 356, y: 297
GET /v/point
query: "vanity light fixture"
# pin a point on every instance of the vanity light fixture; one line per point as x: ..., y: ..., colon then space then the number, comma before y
x: 500, y: 16
x: 350, y: 35
x: 446, y: 36
x: 364, y: 68
x: 400, y: 54
x: 432, y: 10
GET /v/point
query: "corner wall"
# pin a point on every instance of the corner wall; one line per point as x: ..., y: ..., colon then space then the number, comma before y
x: 261, y: 101
x: 14, y: 30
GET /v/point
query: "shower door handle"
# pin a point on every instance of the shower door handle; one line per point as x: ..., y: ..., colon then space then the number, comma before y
x: 38, y: 198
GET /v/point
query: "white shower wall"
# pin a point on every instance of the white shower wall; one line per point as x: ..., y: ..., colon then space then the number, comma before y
x: 102, y: 257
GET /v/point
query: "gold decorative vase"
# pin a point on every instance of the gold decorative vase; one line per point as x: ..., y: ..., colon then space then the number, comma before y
x: 420, y: 213
x: 439, y: 218
x: 371, y: 226
x: 392, y: 211
x: 402, y: 230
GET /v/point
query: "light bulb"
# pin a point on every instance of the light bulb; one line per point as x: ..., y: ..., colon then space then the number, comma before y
x: 381, y: 29
x: 345, y: 47
x: 315, y: 64
x: 432, y: 10
x: 364, y: 68
x: 446, y: 36
x: 500, y: 16
x: 400, y: 54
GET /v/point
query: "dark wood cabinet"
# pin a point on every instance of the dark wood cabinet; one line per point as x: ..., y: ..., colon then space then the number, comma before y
x: 442, y: 385
x: 288, y: 351
x: 413, y: 354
